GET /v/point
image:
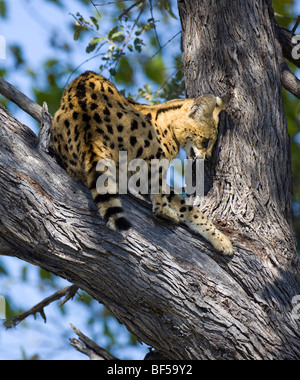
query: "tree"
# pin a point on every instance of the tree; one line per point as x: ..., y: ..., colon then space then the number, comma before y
x: 182, y: 298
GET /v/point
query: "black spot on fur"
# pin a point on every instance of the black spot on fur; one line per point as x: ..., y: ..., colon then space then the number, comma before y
x: 83, y: 105
x: 123, y: 224
x: 109, y: 129
x: 94, y: 106
x: 139, y: 152
x: 86, y: 117
x: 106, y: 112
x: 80, y: 90
x: 97, y: 118
x: 101, y: 198
x: 111, y: 211
x: 121, y: 106
x: 133, y: 141
x: 134, y: 125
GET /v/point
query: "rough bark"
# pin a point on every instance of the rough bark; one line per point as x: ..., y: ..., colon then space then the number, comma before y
x: 233, y: 50
x: 252, y: 178
x: 165, y: 284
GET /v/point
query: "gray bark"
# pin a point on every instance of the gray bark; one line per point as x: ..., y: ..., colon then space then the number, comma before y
x: 16, y: 96
x: 165, y: 284
x: 252, y: 176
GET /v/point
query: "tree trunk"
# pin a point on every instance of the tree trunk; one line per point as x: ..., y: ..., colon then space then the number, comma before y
x: 232, y: 50
x: 165, y: 284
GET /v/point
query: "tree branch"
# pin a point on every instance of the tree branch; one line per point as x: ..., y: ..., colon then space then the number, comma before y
x: 69, y: 292
x: 17, y: 97
x: 289, y: 81
x: 87, y: 347
x: 285, y: 37
x: 39, y: 113
x: 296, y: 25
x: 129, y: 9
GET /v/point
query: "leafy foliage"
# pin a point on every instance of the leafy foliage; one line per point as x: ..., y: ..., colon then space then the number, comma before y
x: 133, y: 40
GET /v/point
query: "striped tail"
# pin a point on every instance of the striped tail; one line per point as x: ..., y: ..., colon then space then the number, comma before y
x: 111, y: 210
x: 109, y: 204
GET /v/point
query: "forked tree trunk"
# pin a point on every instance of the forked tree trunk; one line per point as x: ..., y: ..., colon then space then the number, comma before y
x: 166, y: 285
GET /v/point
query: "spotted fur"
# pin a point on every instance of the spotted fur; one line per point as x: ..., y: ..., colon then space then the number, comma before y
x: 96, y: 122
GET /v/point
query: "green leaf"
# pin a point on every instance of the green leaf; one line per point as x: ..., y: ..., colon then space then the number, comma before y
x: 116, y: 35
x: 93, y: 44
x: 3, y: 9
x: 155, y: 70
x: 124, y: 72
x: 166, y: 5
x: 78, y: 29
x: 138, y: 43
x: 95, y: 22
x: 17, y: 52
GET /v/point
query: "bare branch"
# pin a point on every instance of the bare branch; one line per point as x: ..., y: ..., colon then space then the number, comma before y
x: 39, y: 113
x: 89, y: 348
x: 69, y: 292
x: 285, y: 37
x: 16, y: 96
x: 296, y: 25
x: 155, y: 30
x: 289, y: 81
x: 125, y: 13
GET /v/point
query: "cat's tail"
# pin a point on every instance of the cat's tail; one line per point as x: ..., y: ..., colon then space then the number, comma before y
x: 104, y: 189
